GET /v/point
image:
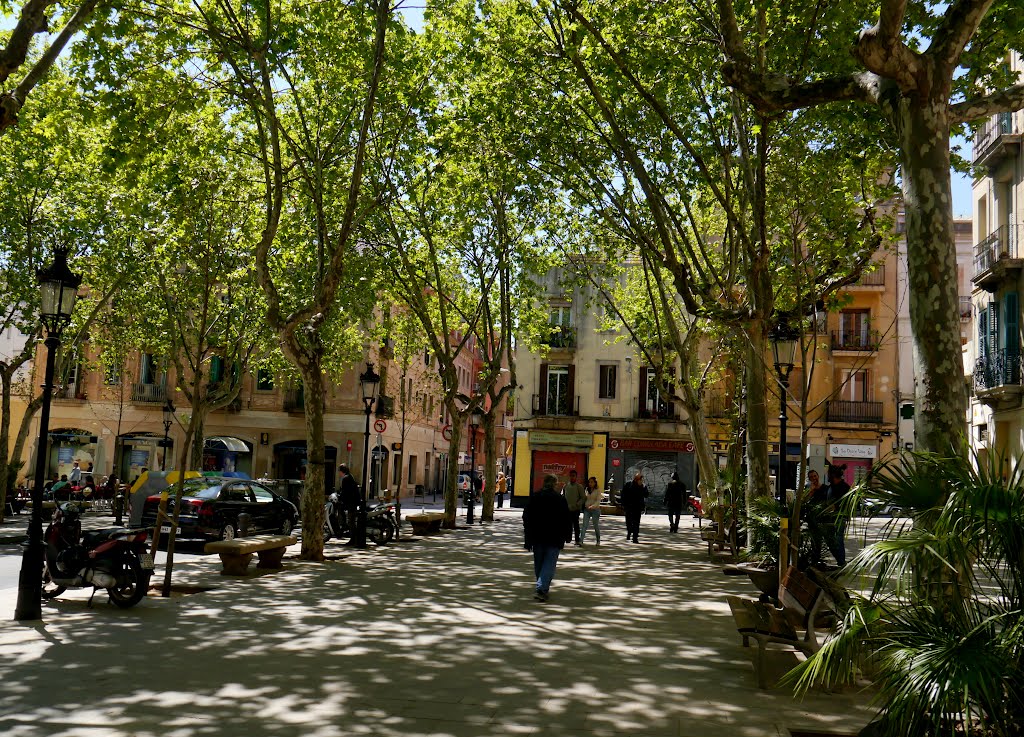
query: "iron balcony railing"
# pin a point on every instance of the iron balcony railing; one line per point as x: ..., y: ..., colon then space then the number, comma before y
x: 719, y: 406
x: 989, y: 133
x: 859, y: 340
x: 149, y: 393
x: 659, y: 411
x: 1001, y: 368
x: 874, y: 279
x: 561, y: 336
x: 71, y: 391
x: 966, y: 308
x: 1003, y: 243
x: 294, y: 400
x: 561, y: 406
x: 845, y: 410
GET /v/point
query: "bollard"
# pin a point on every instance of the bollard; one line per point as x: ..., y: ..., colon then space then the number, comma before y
x: 118, y: 508
x: 244, y: 524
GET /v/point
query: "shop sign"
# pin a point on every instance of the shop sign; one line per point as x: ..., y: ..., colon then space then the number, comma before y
x: 676, y: 446
x: 837, y: 450
x: 581, y: 439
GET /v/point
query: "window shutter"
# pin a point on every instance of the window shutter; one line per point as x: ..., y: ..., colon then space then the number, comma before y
x: 642, y: 404
x: 543, y: 408
x: 571, y: 403
x: 993, y: 328
x: 1011, y: 334
x: 983, y: 333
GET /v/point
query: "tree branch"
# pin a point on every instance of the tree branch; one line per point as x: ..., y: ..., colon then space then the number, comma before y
x: 1004, y: 101
x: 772, y: 95
x: 959, y: 24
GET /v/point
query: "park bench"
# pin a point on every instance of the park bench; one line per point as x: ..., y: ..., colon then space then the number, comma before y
x: 425, y: 523
x: 720, y: 537
x: 804, y: 605
x: 236, y: 554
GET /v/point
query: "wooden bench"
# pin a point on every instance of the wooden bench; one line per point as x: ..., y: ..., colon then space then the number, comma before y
x: 425, y: 523
x: 720, y: 538
x: 236, y: 554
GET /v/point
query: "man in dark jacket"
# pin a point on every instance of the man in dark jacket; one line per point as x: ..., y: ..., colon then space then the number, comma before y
x: 634, y: 499
x: 837, y: 490
x: 350, y: 498
x: 675, y: 500
x: 547, y: 525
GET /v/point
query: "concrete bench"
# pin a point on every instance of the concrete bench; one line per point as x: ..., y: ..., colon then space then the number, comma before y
x: 236, y: 554
x: 425, y: 523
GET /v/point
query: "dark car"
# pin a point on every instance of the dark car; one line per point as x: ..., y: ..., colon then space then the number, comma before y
x: 210, y: 507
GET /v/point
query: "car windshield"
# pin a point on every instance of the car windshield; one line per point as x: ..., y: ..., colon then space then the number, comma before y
x: 200, y: 489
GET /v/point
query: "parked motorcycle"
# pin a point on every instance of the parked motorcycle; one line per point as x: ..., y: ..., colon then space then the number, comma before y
x: 113, y: 558
x: 381, y: 521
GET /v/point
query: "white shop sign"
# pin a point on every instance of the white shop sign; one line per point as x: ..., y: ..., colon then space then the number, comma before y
x: 852, y: 451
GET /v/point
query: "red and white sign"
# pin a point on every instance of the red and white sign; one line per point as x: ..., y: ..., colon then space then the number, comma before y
x: 613, y: 444
x: 678, y: 446
x: 446, y: 432
x: 348, y: 445
x: 380, y: 425
x: 616, y: 462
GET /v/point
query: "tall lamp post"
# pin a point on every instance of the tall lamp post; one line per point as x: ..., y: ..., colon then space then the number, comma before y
x: 59, y: 289
x: 166, y: 443
x: 368, y: 381
x: 784, y: 345
x: 475, y: 420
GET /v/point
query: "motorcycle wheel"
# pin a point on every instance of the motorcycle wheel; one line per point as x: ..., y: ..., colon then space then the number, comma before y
x: 50, y: 589
x: 228, y: 532
x: 375, y: 533
x: 132, y: 582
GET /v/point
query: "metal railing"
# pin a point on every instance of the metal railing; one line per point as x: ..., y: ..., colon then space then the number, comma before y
x: 294, y: 400
x: 846, y: 410
x: 718, y: 405
x: 562, y: 406
x: 1002, y: 243
x: 561, y: 336
x: 875, y: 278
x: 149, y: 393
x: 855, y: 340
x: 989, y: 133
x: 663, y: 411
x: 999, y: 369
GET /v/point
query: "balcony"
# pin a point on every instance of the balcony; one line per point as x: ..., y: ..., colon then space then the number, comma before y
x: 565, y: 406
x: 997, y: 258
x: 997, y: 380
x: 845, y: 410
x: 966, y: 309
x: 996, y: 139
x: 71, y: 392
x: 561, y: 336
x: 149, y: 393
x: 665, y: 411
x: 860, y: 341
x: 719, y: 406
x: 294, y: 400
x: 875, y: 278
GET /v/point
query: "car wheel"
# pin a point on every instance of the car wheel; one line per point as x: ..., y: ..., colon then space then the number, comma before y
x: 228, y: 532
x: 287, y: 526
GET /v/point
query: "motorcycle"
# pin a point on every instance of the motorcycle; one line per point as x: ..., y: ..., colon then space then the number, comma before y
x: 113, y: 558
x: 381, y: 521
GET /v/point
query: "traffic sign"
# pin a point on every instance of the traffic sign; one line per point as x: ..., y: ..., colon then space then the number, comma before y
x: 380, y: 425
x: 348, y: 445
x: 446, y: 432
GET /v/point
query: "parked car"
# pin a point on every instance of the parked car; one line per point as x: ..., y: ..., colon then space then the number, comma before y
x: 211, y: 505
x: 464, y: 482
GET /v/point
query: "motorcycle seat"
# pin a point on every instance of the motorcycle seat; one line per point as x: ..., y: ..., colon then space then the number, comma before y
x: 92, y: 538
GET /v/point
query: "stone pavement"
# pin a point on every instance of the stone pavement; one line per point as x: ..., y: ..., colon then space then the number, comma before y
x: 428, y: 636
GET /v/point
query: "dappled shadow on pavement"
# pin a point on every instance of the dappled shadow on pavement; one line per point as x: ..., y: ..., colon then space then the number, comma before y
x: 432, y: 636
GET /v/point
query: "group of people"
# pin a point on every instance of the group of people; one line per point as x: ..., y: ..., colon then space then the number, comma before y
x: 81, y: 484
x: 829, y: 496
x: 552, y: 519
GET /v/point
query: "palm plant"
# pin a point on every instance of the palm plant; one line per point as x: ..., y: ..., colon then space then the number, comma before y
x: 940, y: 629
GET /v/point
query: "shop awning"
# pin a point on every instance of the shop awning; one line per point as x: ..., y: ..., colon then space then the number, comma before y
x: 223, y: 442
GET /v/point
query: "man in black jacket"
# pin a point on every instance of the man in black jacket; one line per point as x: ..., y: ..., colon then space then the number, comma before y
x: 634, y: 499
x: 547, y: 525
x: 350, y: 498
x: 675, y: 500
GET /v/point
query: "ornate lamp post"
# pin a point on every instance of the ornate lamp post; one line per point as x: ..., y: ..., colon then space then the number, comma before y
x: 368, y: 381
x: 166, y: 443
x: 785, y: 341
x: 475, y: 420
x: 59, y: 289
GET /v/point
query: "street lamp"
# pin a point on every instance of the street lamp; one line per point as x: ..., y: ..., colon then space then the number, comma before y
x: 58, y: 289
x: 368, y: 381
x: 166, y: 443
x: 475, y: 420
x: 785, y: 341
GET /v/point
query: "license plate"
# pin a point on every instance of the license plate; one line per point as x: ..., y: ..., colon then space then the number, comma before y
x: 166, y: 530
x: 147, y: 561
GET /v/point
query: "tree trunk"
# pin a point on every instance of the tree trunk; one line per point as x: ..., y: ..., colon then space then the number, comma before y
x: 490, y: 477
x: 758, y: 470
x: 195, y: 456
x: 6, y: 468
x: 941, y: 399
x: 702, y: 450
x: 313, y: 489
x: 451, y: 501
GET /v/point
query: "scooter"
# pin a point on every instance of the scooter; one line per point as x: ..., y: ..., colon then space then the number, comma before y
x: 381, y: 521
x: 114, y: 559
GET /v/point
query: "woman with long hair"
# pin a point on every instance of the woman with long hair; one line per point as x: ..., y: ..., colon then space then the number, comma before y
x: 592, y: 510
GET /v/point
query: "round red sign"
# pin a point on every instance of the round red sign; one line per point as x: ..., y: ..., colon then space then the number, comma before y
x: 380, y: 425
x: 446, y: 432
x: 348, y: 445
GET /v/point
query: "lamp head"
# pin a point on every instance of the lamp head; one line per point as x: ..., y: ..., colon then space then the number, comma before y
x: 785, y: 342
x: 58, y: 288
x: 368, y: 381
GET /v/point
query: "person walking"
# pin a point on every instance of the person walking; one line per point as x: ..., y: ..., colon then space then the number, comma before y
x: 837, y: 489
x: 75, y: 477
x: 547, y: 527
x: 502, y: 488
x: 634, y: 499
x: 592, y: 509
x: 350, y: 498
x: 574, y: 495
x: 675, y: 500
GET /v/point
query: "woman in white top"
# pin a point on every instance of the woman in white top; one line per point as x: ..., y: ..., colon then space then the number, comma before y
x: 592, y: 510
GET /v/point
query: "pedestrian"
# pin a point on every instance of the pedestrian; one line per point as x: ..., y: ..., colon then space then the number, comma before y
x: 634, y: 500
x: 592, y: 509
x: 837, y: 490
x: 502, y: 488
x: 675, y: 499
x: 816, y: 490
x: 547, y: 527
x: 574, y: 495
x: 350, y: 499
x: 75, y: 477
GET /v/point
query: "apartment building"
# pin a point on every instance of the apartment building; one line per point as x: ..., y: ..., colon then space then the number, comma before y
x: 993, y: 357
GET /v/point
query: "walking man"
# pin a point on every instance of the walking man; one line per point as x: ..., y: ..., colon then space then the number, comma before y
x: 574, y: 496
x: 634, y: 499
x: 675, y: 499
x: 547, y: 528
x: 350, y: 499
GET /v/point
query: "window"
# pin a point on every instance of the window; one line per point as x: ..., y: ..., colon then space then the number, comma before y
x: 856, y: 387
x: 855, y: 328
x: 112, y: 376
x: 607, y: 380
x: 216, y: 369
x: 562, y: 334
x: 558, y: 391
x: 148, y: 369
x: 264, y: 380
x: 412, y: 470
x: 262, y: 495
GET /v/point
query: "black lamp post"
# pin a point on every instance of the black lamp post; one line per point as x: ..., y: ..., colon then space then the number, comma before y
x: 59, y: 289
x: 475, y: 420
x: 166, y: 443
x: 368, y: 381
x: 785, y: 341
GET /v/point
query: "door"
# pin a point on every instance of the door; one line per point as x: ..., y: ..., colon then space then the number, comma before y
x: 265, y: 517
x: 235, y: 499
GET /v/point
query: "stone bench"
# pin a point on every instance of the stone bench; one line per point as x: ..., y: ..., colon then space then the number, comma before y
x: 425, y: 523
x: 236, y: 554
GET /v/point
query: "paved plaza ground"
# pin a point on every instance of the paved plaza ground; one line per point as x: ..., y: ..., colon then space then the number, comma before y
x: 429, y: 636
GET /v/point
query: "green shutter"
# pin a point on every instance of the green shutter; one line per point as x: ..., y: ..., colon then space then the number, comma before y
x: 1011, y: 333
x: 993, y: 328
x: 983, y: 332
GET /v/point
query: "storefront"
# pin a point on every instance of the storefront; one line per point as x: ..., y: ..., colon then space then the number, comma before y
x: 68, y: 446
x: 140, y: 452
x: 538, y: 453
x: 227, y: 455
x: 290, y: 462
x: 657, y: 459
x: 858, y: 460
